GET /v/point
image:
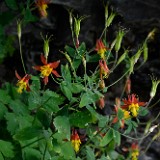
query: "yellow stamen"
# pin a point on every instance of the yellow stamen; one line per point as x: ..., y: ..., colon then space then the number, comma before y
x: 135, y: 155
x: 46, y: 70
x: 21, y: 86
x: 101, y: 52
x: 126, y: 114
x: 76, y: 144
x: 134, y: 108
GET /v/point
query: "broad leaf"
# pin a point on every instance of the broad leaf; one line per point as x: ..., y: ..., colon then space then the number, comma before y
x: 107, y: 138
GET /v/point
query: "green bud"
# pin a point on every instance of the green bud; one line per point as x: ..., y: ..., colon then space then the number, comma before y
x: 19, y: 32
x: 46, y: 45
x: 132, y: 63
x: 155, y: 83
x: 106, y: 13
x: 119, y: 40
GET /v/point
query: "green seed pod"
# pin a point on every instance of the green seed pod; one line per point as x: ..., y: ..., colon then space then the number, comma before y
x: 132, y: 63
x: 137, y: 55
x: 110, y: 19
x: 155, y: 83
x: 119, y: 40
x: 122, y: 57
x: 145, y: 51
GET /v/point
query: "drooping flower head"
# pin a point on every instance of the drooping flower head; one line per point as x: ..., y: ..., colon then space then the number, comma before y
x: 42, y: 7
x: 76, y: 142
x: 23, y: 83
x: 132, y: 104
x: 47, y: 69
x: 134, y: 151
x: 100, y: 48
x: 104, y: 70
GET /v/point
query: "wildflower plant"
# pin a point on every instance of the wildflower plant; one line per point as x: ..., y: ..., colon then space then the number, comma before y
x: 65, y: 122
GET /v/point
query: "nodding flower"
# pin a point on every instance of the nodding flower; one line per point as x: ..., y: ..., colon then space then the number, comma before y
x: 104, y: 70
x: 42, y: 6
x: 101, y: 48
x: 134, y: 151
x: 75, y: 140
x: 47, y: 69
x: 23, y: 83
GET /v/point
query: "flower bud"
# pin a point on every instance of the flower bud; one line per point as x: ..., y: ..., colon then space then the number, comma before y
x: 154, y: 87
x: 119, y: 40
x: 19, y: 32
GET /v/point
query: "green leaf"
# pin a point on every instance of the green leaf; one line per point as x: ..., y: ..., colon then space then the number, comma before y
x: 66, y: 90
x: 28, y: 133
x: 70, y: 50
x: 102, y: 121
x: 143, y: 111
x: 90, y: 153
x: 65, y: 72
x: 12, y: 4
x: 82, y: 49
x: 31, y: 153
x: 62, y: 125
x: 120, y: 114
x: 76, y: 88
x: 80, y: 119
x: 36, y: 84
x: 44, y: 117
x: 85, y: 100
x: 107, y: 138
x: 4, y: 97
x: 6, y: 149
x: 3, y: 110
x: 117, y: 137
x: 67, y: 150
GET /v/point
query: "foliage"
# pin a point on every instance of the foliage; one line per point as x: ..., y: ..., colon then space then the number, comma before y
x: 65, y: 122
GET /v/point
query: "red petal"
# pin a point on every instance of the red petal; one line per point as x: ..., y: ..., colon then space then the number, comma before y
x: 54, y: 64
x: 17, y: 75
x: 28, y: 89
x: 55, y: 73
x: 115, y: 120
x: 45, y: 80
x: 38, y: 68
x: 43, y: 60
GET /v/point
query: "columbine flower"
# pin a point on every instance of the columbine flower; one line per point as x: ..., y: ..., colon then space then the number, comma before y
x: 47, y: 69
x: 128, y: 85
x: 42, y: 7
x: 101, y: 103
x: 100, y: 48
x: 132, y: 105
x: 104, y: 70
x: 22, y: 82
x: 75, y: 140
x: 134, y: 151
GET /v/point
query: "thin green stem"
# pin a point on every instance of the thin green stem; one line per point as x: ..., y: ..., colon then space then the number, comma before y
x: 45, y: 151
x: 118, y: 79
x: 20, y: 48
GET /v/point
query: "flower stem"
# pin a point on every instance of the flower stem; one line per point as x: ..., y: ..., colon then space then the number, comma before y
x: 20, y: 49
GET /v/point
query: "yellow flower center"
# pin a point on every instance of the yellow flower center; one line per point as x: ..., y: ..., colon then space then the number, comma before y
x: 135, y: 155
x: 101, y: 52
x: 42, y: 9
x: 76, y: 144
x: 134, y: 108
x: 126, y: 114
x: 21, y: 86
x: 46, y: 70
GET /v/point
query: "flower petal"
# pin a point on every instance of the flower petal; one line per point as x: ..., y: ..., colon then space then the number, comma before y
x: 54, y: 65
x: 17, y: 75
x: 55, y: 73
x: 43, y: 59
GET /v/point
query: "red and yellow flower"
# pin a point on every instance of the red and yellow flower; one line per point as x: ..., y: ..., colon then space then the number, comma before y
x: 132, y: 105
x: 100, y: 48
x: 104, y: 70
x: 47, y: 69
x: 42, y: 7
x: 23, y: 83
x: 134, y: 151
x: 75, y: 140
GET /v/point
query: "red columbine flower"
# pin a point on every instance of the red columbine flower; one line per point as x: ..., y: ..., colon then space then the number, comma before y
x: 22, y: 82
x: 47, y: 69
x: 132, y: 104
x: 134, y: 151
x: 42, y: 7
x: 75, y: 140
x: 100, y: 48
x: 104, y: 70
